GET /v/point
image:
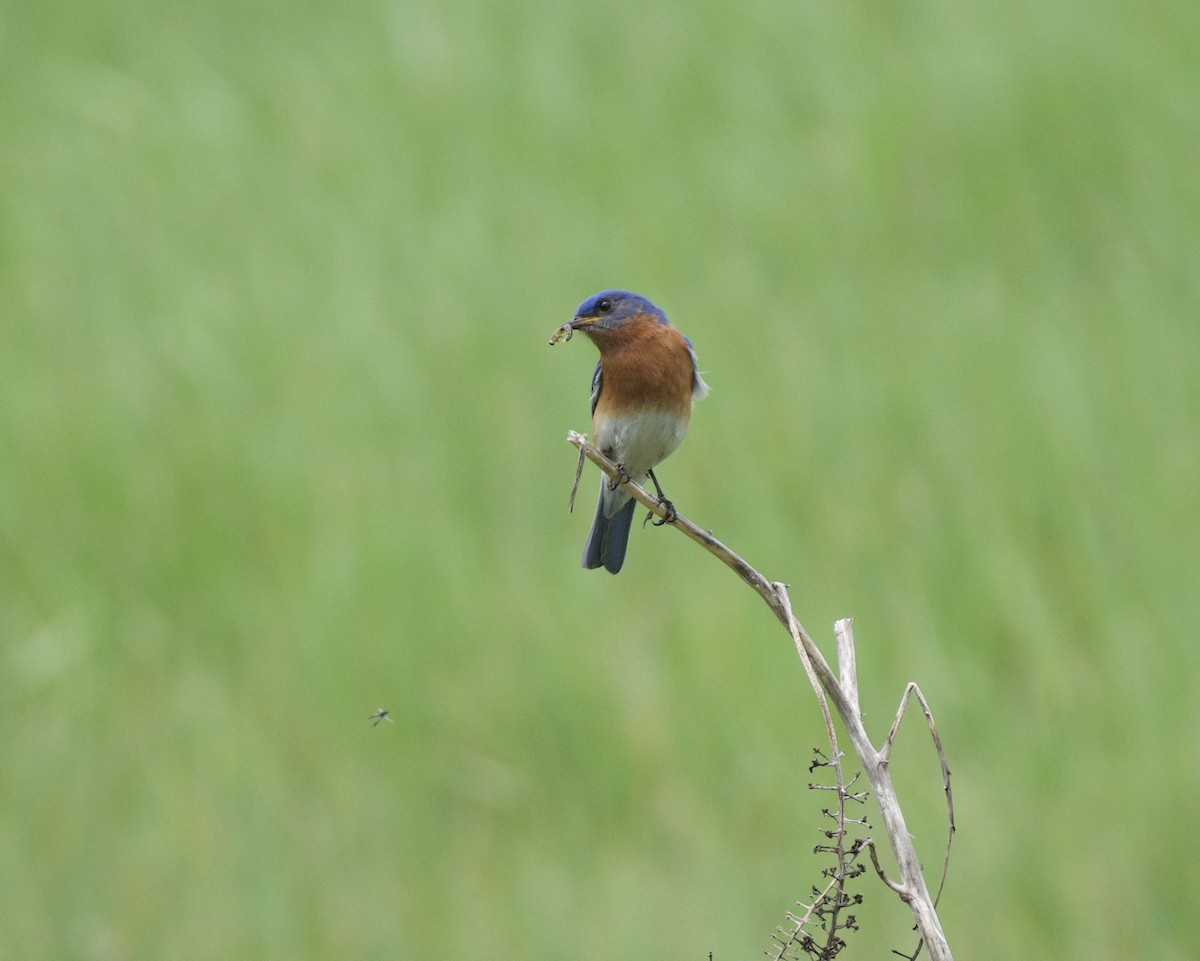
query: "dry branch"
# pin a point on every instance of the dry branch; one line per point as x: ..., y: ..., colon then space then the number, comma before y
x: 843, y: 693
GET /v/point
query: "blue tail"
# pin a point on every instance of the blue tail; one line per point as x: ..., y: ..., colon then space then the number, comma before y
x: 609, y: 537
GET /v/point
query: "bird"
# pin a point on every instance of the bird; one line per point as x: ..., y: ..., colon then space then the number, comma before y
x: 643, y: 389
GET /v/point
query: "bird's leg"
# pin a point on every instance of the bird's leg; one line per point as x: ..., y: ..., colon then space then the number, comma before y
x: 623, y: 477
x: 662, y: 502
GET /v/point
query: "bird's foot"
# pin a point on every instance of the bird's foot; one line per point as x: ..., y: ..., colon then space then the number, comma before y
x: 668, y: 518
x: 623, y: 477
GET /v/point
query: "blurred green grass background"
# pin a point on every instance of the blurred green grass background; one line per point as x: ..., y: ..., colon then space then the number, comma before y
x: 281, y: 442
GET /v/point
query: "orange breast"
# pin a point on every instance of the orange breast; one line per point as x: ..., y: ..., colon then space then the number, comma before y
x: 645, y: 364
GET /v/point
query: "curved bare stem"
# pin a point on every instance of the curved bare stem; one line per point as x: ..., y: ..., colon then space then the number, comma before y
x: 843, y: 694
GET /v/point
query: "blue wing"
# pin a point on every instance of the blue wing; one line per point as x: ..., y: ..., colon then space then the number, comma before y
x: 595, y: 387
x: 699, y: 388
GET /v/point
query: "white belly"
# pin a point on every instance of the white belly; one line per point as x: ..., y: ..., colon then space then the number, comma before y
x: 640, y: 441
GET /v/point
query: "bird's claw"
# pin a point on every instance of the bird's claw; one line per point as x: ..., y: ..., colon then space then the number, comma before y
x: 668, y: 518
x: 623, y: 477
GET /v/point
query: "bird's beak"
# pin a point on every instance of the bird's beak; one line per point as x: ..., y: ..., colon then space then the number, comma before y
x: 577, y: 322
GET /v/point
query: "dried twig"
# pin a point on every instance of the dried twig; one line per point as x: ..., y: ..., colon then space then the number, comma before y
x: 843, y: 694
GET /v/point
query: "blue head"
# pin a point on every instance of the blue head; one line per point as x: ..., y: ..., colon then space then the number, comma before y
x: 610, y: 309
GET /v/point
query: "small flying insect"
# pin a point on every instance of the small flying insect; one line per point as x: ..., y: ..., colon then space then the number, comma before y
x: 380, y: 715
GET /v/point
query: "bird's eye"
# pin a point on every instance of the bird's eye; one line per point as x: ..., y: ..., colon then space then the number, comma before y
x: 604, y: 306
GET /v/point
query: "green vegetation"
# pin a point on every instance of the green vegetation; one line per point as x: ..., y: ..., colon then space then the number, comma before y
x: 281, y: 443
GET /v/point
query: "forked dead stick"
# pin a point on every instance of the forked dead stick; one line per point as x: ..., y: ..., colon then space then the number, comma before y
x: 843, y: 694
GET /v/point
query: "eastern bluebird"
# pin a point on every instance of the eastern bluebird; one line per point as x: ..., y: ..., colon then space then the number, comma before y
x: 642, y: 394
